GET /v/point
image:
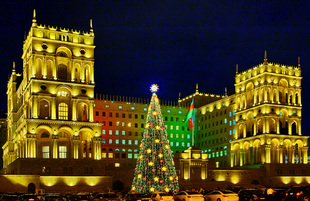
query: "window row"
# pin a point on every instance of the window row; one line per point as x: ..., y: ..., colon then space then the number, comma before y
x: 117, y: 132
x: 178, y: 144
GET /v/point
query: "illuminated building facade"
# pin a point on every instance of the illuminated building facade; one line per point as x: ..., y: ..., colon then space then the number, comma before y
x: 57, y: 128
x: 260, y: 123
x: 50, y: 105
x: 123, y: 120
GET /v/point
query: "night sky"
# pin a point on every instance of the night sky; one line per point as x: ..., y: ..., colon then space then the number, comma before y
x: 175, y: 44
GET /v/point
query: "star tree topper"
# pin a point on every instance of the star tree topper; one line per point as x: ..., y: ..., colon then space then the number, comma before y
x: 154, y: 88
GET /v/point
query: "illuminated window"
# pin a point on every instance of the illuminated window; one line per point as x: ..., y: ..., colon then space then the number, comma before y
x: 225, y: 121
x: 103, y: 141
x: 129, y: 155
x: 221, y: 153
x: 123, y: 132
x: 136, y: 142
x: 116, y: 141
x: 135, y: 155
x: 177, y: 136
x: 188, y: 144
x: 103, y: 132
x: 182, y: 136
x: 171, y: 144
x: 46, y: 151
x: 116, y: 164
x: 171, y: 135
x: 62, y: 151
x: 225, y: 152
x: 230, y: 114
x: 229, y: 123
x: 177, y: 144
x: 117, y: 123
x: 129, y: 142
x: 229, y: 132
x: 234, y: 122
x: 110, y: 155
x: 104, y: 155
x: 177, y: 128
x: 110, y: 141
x: 116, y: 132
x: 188, y: 136
x: 182, y: 144
x: 123, y: 124
x: 129, y: 125
x: 234, y: 131
x: 110, y: 132
x: 63, y: 111
x: 213, y: 155
x: 123, y: 141
x: 171, y: 127
x: 234, y: 113
x: 217, y: 154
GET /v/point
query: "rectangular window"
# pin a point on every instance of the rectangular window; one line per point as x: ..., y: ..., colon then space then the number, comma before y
x: 123, y: 141
x: 234, y: 122
x: 123, y: 132
x: 177, y: 144
x: 229, y: 123
x: 62, y: 151
x: 129, y: 125
x: 129, y: 116
x: 171, y: 127
x: 136, y: 116
x: 110, y: 141
x: 110, y: 132
x: 136, y: 125
x: 116, y: 132
x: 104, y: 155
x: 177, y: 128
x: 171, y: 135
x: 177, y: 135
x: 188, y: 144
x: 46, y: 151
x: 110, y: 155
x: 171, y: 144
x: 63, y: 111
x: 103, y: 141
x: 117, y: 114
x: 182, y: 136
x: 142, y: 116
x: 142, y: 125
x: 116, y: 141
x: 171, y: 118
x: 177, y: 119
x: 182, y: 144
x: 103, y: 114
x: 116, y: 165
x: 129, y: 133
x: 110, y: 123
x: 225, y: 120
x: 136, y: 155
x: 129, y: 142
x: 136, y: 142
x: 110, y: 114
x: 117, y: 123
x: 129, y: 155
x: 123, y: 124
x: 97, y: 113
x: 123, y: 115
x: 188, y: 136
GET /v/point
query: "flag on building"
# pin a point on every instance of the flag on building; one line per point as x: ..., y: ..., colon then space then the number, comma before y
x: 191, y: 116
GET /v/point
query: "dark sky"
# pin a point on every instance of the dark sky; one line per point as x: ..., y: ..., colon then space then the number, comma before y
x: 175, y: 44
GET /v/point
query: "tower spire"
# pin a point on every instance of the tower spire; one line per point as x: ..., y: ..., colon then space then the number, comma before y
x: 179, y: 95
x: 265, y: 57
x: 91, y: 27
x: 34, y: 20
x: 236, y: 68
x: 298, y: 63
x: 13, y: 70
x: 197, y: 88
x: 225, y: 91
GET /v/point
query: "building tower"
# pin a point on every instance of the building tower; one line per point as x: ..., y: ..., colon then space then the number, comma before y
x: 50, y: 105
x: 268, y: 116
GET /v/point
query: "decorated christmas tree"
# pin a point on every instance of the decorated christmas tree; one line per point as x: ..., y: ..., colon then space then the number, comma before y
x: 155, y: 170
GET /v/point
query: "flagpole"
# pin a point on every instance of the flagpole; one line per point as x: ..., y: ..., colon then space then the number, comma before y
x: 193, y: 134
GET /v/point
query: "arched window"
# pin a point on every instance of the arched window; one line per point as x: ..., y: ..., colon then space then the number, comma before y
x: 63, y: 111
x: 45, y: 135
x: 62, y: 72
x: 294, y: 130
x: 296, y: 98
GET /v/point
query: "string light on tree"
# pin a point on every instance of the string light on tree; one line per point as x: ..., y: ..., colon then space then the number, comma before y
x: 155, y: 170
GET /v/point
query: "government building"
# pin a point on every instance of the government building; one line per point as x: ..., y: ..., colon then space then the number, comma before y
x: 61, y: 136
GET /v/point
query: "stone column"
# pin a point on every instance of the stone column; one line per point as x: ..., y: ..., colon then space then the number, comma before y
x: 280, y: 152
x: 74, y: 110
x: 255, y: 128
x: 293, y: 154
x: 75, y: 142
x: 232, y: 158
x: 91, y: 111
x: 53, y: 108
x: 244, y: 130
x: 55, y: 146
x: 97, y: 148
x: 305, y: 155
x: 241, y: 157
x: 299, y: 127
x: 267, y: 153
x: 278, y: 125
x: 35, y: 107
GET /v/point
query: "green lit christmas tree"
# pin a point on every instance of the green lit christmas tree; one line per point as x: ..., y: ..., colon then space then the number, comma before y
x: 155, y: 170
